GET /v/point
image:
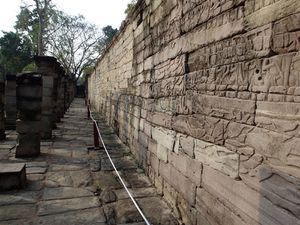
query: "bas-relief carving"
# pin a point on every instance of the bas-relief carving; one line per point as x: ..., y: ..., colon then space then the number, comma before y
x: 286, y: 42
x: 225, y: 68
x: 198, y: 12
x: 279, y: 117
x: 232, y: 109
x: 276, y: 149
x: 221, y: 27
x: 282, y: 70
x: 170, y: 86
x: 247, y: 46
x: 201, y: 127
x: 170, y: 68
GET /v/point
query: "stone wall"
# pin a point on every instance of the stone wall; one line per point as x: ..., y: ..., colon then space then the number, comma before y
x: 206, y: 93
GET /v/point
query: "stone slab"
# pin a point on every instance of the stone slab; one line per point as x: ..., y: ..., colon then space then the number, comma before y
x: 12, y: 176
x: 88, y: 216
x: 65, y: 205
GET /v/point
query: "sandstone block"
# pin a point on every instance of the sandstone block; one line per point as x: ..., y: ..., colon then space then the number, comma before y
x: 244, y: 199
x: 279, y: 117
x: 184, y: 144
x: 162, y: 153
x: 12, y: 176
x: 217, y: 157
x: 191, y: 168
x: 164, y: 137
x: 227, y: 108
x: 201, y: 127
x: 181, y: 183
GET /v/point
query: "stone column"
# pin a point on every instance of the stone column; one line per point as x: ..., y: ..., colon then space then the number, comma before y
x: 46, y: 66
x: 10, y: 102
x: 65, y: 81
x: 2, y: 118
x: 60, y: 103
x: 29, y: 101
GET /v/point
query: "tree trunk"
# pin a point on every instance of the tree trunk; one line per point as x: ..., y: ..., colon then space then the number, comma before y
x: 42, y: 12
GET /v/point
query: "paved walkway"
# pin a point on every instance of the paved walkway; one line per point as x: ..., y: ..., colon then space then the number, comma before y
x: 68, y: 184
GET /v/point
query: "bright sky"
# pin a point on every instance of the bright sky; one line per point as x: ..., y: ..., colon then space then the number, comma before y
x: 99, y: 12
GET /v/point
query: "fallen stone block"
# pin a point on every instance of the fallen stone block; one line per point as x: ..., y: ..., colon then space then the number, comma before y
x: 12, y: 176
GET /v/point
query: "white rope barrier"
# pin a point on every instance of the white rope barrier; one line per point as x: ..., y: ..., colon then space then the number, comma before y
x: 118, y: 174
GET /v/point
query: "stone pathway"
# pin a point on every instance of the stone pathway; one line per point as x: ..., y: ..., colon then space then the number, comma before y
x: 68, y: 184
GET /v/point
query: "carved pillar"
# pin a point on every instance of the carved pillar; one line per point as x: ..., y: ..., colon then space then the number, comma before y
x: 10, y: 102
x: 29, y: 101
x: 46, y: 66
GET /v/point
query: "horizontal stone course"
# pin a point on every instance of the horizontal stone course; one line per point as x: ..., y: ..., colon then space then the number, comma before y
x: 217, y: 85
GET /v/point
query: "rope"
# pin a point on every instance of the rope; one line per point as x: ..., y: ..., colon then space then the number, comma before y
x: 118, y: 174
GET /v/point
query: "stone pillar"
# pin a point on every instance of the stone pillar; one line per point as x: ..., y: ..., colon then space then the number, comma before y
x: 29, y: 101
x: 2, y: 118
x: 60, y: 103
x: 65, y: 81
x: 46, y: 66
x: 10, y: 102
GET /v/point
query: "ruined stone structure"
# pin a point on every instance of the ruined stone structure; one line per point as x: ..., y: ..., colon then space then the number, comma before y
x: 57, y: 94
x: 10, y: 102
x: 2, y: 101
x: 206, y: 93
x: 29, y: 105
x: 46, y: 65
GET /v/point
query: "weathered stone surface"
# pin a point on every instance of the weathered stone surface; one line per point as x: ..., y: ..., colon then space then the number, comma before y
x: 164, y: 137
x: 18, y: 198
x: 11, y: 212
x: 217, y: 157
x: 191, y: 168
x: 279, y: 117
x: 64, y: 193
x: 59, y: 206
x: 29, y: 96
x: 12, y: 176
x: 245, y: 199
x: 69, y: 179
x: 185, y: 144
x: 86, y: 216
x: 237, y: 110
x: 201, y: 127
x: 218, y: 85
x: 181, y: 183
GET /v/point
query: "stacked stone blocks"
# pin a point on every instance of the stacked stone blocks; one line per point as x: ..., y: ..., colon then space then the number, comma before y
x: 10, y: 102
x: 2, y: 115
x: 206, y: 95
x: 29, y: 105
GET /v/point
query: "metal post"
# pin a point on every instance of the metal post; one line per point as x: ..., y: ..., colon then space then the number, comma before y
x: 96, y: 136
x: 88, y: 111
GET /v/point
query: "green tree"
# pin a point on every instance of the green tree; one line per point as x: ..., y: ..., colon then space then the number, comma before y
x: 77, y: 44
x: 109, y: 33
x: 15, y: 52
x: 34, y: 20
x: 130, y: 6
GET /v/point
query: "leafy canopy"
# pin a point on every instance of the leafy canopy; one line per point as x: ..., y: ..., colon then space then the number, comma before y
x: 15, y: 52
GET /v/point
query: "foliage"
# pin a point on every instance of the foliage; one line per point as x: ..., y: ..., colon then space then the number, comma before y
x: 76, y: 44
x: 71, y: 39
x: 34, y: 21
x: 130, y: 6
x: 15, y: 52
x: 109, y: 34
x: 30, y: 67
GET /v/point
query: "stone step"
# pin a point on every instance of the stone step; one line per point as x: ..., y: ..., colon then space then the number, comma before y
x: 12, y: 176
